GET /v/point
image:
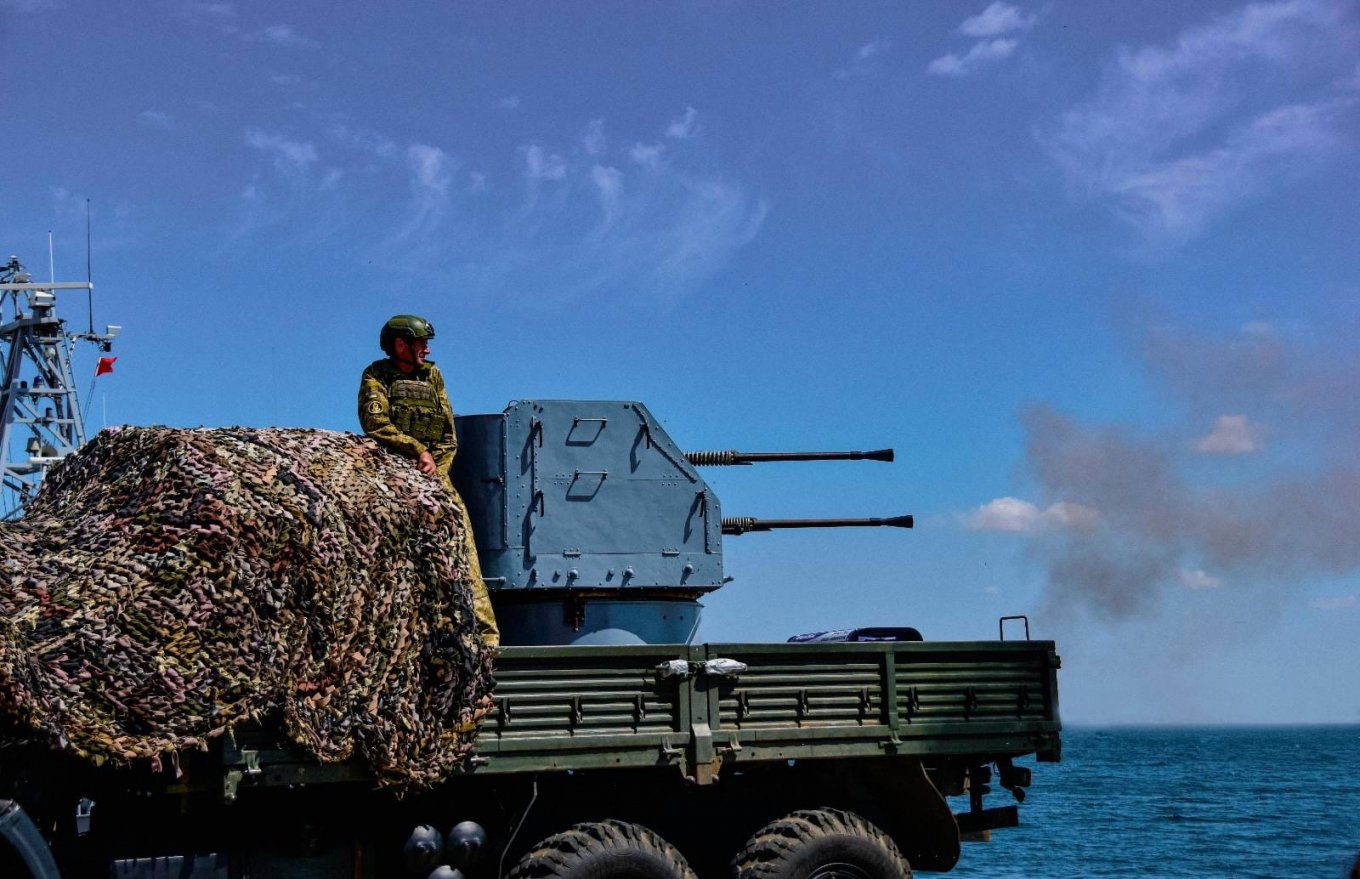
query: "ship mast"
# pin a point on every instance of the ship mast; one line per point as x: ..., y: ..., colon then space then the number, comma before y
x: 40, y: 416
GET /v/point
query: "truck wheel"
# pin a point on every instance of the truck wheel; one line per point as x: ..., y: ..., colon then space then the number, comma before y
x: 820, y: 844
x: 603, y: 850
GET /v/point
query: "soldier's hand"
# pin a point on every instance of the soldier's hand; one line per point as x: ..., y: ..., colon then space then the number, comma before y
x: 426, y: 464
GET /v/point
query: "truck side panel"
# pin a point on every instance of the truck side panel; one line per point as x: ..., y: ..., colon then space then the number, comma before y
x: 612, y: 707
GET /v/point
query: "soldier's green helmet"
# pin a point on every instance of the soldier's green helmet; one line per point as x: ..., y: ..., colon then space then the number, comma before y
x: 404, y: 326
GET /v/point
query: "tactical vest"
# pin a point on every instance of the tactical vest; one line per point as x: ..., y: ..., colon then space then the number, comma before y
x: 415, y: 407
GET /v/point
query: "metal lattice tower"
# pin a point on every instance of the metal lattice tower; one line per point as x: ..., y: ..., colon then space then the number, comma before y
x: 40, y: 417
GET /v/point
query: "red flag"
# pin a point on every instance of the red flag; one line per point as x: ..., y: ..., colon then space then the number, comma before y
x: 105, y: 365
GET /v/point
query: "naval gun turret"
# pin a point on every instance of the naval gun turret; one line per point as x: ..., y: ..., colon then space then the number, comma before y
x: 593, y: 527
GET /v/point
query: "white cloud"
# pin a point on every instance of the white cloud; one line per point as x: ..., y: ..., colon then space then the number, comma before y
x: 1198, y: 579
x: 282, y: 35
x: 288, y: 154
x: 1180, y: 196
x: 579, y: 224
x: 862, y: 63
x: 216, y: 10
x: 713, y: 219
x: 1022, y: 517
x: 542, y: 165
x: 594, y: 140
x: 365, y: 141
x: 1335, y: 602
x: 684, y: 127
x: 647, y: 155
x: 609, y: 182
x: 509, y: 102
x: 156, y: 119
x: 430, y: 169
x: 999, y: 18
x: 982, y: 54
x: 1173, y: 137
x: 1232, y: 435
x: 1005, y: 514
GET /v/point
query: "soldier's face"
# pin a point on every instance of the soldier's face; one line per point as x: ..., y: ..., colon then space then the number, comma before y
x: 412, y: 352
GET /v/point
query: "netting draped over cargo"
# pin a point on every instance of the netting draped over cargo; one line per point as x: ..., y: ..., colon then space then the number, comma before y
x: 167, y: 584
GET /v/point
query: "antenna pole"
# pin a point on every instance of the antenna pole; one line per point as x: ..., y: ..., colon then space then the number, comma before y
x: 89, y: 272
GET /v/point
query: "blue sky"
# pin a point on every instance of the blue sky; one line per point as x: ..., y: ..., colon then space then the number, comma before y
x: 1089, y: 267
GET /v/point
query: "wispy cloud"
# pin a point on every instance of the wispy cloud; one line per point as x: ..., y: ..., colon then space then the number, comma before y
x: 539, y: 164
x: 1198, y: 579
x: 289, y: 155
x: 1232, y: 435
x: 1174, y: 138
x: 209, y: 9
x: 685, y: 126
x: 1335, y: 602
x: 431, y: 169
x: 646, y: 154
x: 365, y: 141
x: 864, y: 61
x: 982, y: 54
x: 999, y: 18
x: 281, y: 35
x: 223, y: 10
x: 593, y: 140
x: 509, y: 102
x: 609, y: 184
x: 293, y: 181
x: 565, y: 217
x: 156, y: 119
x: 431, y: 173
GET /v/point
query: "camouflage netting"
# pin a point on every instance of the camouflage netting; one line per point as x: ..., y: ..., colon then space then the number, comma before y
x: 167, y: 584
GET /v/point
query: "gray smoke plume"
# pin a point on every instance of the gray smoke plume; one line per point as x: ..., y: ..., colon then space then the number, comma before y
x: 1255, y: 485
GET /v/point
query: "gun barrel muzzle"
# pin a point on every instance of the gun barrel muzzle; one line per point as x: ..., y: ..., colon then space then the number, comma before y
x: 733, y: 457
x: 742, y: 524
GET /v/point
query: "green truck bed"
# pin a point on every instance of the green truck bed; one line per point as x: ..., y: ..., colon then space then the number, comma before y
x: 560, y: 708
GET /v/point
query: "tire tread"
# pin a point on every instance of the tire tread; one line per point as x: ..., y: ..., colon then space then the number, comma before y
x: 768, y: 853
x: 559, y: 855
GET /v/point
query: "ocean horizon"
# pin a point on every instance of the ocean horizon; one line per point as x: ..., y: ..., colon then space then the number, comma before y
x: 1185, y: 800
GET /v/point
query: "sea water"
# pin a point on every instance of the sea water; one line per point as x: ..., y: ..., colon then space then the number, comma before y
x: 1159, y: 803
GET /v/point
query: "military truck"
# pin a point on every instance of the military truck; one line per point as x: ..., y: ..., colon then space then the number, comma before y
x: 617, y: 746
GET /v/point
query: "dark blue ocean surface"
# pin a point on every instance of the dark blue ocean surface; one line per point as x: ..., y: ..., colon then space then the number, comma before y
x: 1190, y: 802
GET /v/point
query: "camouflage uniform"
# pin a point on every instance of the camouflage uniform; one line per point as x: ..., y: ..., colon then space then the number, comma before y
x: 409, y: 413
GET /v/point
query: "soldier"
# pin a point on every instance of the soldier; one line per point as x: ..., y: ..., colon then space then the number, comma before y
x: 403, y: 405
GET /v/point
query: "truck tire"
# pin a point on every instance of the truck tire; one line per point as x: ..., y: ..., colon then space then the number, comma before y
x: 603, y: 850
x: 820, y: 844
x: 23, y: 851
